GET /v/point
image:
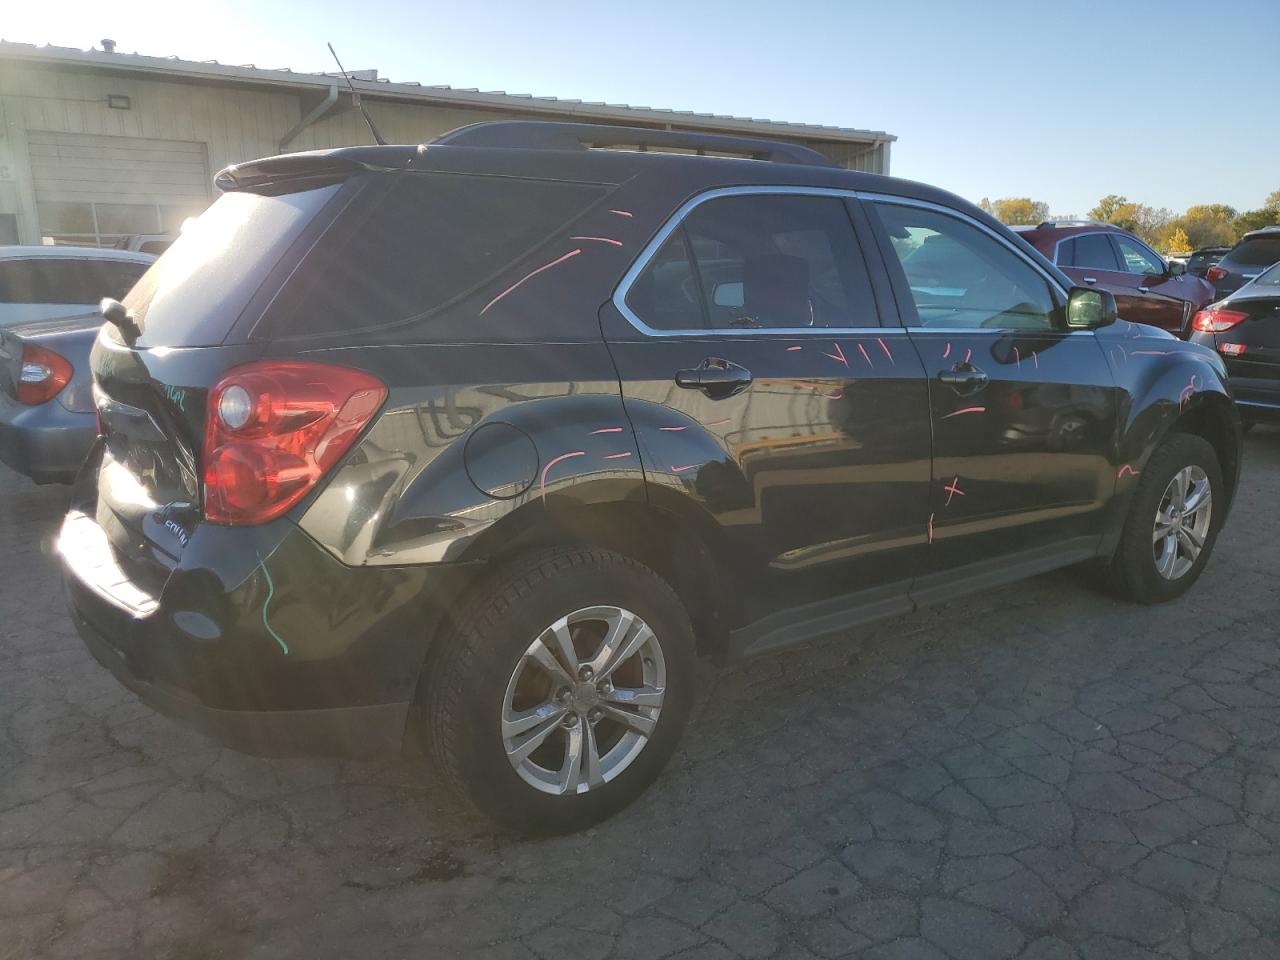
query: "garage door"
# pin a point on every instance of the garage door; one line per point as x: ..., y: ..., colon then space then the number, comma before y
x: 96, y: 190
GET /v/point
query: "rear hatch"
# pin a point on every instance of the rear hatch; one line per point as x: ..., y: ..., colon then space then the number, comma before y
x: 192, y: 311
x: 1250, y: 257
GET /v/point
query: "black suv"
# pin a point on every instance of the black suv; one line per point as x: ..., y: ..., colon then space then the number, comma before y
x: 485, y: 440
x: 1256, y: 251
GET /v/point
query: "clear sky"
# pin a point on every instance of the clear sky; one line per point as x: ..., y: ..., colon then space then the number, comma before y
x: 1169, y: 102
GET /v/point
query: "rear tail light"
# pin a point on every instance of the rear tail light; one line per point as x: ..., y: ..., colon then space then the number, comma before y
x: 44, y: 374
x: 1216, y: 320
x: 1214, y: 274
x: 274, y: 428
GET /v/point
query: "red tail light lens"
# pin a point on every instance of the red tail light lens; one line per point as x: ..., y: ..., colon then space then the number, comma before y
x: 1217, y: 320
x: 1214, y: 274
x: 44, y: 374
x: 274, y: 428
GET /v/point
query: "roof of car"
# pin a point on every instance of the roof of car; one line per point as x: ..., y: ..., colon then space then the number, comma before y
x: 59, y: 252
x: 1262, y: 232
x: 1068, y: 227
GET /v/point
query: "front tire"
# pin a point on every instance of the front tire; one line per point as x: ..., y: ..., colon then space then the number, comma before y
x: 562, y: 689
x: 1173, y: 522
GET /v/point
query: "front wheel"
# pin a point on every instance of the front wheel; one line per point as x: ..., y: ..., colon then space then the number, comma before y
x: 1173, y: 522
x: 562, y: 689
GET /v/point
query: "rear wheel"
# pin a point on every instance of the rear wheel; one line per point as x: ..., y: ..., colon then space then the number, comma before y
x: 1173, y: 522
x: 562, y: 690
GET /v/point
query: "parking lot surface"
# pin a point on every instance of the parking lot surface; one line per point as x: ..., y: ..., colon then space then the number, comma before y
x: 1039, y: 772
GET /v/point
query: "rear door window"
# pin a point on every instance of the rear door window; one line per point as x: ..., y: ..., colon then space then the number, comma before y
x: 758, y: 262
x: 1093, y: 251
x: 426, y: 242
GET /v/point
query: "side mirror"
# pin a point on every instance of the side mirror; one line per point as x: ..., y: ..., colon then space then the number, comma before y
x: 1090, y: 309
x: 1176, y: 269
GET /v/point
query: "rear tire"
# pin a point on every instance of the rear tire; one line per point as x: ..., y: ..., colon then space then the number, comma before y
x: 1167, y: 538
x: 527, y: 661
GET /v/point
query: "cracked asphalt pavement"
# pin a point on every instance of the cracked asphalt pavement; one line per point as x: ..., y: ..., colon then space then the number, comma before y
x: 1039, y: 772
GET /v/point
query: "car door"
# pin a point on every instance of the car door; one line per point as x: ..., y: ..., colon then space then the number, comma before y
x: 763, y: 388
x: 1091, y: 260
x: 1023, y: 409
x: 1157, y: 296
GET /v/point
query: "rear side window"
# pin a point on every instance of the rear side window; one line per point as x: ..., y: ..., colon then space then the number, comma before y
x: 1094, y: 251
x: 429, y: 240
x: 1258, y: 252
x: 66, y: 280
x: 194, y: 293
x: 1066, y: 255
x: 758, y: 262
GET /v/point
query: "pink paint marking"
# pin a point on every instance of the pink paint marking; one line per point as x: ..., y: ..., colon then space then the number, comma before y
x: 542, y: 481
x: 616, y: 243
x: 672, y: 429
x: 833, y: 396
x: 794, y: 349
x: 863, y: 350
x: 1126, y: 469
x: 529, y: 276
x: 720, y: 423
x: 953, y: 489
x: 968, y: 355
x: 687, y: 466
x: 606, y: 430
x: 947, y: 352
x: 1017, y: 355
x: 1189, y: 390
x: 617, y: 456
x: 931, y: 528
x: 1124, y: 355
x: 1152, y: 353
x: 838, y: 355
x: 1035, y: 358
x: 622, y: 213
x: 887, y: 352
x: 957, y: 413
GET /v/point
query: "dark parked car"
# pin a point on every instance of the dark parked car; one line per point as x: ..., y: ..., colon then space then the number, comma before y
x: 1204, y: 258
x: 1147, y: 289
x: 1256, y: 251
x: 1245, y: 329
x: 481, y: 442
x: 47, y: 418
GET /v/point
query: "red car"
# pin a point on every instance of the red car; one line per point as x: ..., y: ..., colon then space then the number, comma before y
x: 1147, y: 288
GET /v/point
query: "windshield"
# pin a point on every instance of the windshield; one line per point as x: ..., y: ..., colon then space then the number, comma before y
x: 194, y: 293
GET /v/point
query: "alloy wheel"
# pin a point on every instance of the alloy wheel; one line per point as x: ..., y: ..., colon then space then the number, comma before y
x: 584, y: 700
x: 1182, y: 522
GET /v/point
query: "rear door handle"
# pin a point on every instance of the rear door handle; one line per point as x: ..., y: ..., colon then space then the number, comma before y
x: 715, y: 377
x: 965, y: 377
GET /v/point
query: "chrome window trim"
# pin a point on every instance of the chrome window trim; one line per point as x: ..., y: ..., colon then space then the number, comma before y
x: 683, y: 211
x: 1002, y: 331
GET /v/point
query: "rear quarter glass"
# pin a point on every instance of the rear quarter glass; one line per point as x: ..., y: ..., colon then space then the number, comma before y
x: 422, y: 243
x: 193, y: 295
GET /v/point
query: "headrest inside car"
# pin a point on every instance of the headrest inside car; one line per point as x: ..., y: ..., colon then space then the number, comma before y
x: 776, y: 290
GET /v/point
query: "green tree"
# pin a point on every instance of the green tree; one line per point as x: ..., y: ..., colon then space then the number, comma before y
x: 1253, y: 220
x: 1017, y: 210
x: 1273, y: 199
x: 1208, y: 225
x: 1138, y: 218
x: 1107, y: 207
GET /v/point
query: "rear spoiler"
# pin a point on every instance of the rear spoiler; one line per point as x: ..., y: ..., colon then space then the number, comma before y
x: 308, y: 170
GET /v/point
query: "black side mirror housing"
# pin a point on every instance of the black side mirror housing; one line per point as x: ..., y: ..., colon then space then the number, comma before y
x: 1089, y: 309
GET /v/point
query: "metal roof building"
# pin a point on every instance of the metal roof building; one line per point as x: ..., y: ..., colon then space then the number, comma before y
x: 96, y: 144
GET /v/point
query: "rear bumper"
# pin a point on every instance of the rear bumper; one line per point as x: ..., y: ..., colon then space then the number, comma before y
x: 260, y: 638
x: 46, y: 443
x: 366, y: 731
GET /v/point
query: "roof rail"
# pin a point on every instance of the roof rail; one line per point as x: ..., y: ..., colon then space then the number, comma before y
x: 1073, y: 223
x: 550, y: 135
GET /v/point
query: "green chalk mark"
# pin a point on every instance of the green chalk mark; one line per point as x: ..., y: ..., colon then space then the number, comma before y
x: 271, y: 592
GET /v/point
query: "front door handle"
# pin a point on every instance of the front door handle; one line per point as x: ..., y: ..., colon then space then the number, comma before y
x: 1090, y: 279
x: 964, y: 377
x: 715, y: 377
x: 1144, y: 289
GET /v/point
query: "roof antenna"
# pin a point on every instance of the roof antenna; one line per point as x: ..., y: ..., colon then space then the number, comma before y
x: 355, y: 99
